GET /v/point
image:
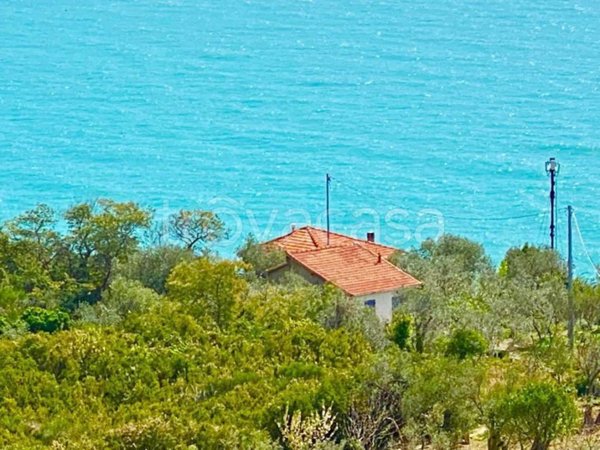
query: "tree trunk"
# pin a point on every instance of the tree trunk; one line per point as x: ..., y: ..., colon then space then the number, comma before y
x: 496, y: 442
x: 598, y: 419
x: 588, y: 419
x: 419, y: 342
x: 539, y: 445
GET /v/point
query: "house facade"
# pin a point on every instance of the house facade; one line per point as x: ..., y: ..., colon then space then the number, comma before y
x: 360, y: 268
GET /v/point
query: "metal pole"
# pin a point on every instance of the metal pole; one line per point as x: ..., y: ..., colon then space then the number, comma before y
x: 328, y: 182
x: 571, y: 325
x: 552, y: 209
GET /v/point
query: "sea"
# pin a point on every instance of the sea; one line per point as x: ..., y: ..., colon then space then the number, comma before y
x: 431, y: 117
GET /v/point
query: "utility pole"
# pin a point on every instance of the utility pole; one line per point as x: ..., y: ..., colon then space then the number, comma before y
x: 328, y: 183
x: 552, y: 169
x: 571, y: 325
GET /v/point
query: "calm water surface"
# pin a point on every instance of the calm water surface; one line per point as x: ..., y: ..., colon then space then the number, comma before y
x: 243, y: 106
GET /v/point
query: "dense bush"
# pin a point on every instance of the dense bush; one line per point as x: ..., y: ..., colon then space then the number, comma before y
x: 536, y: 414
x: 38, y: 319
x: 466, y: 343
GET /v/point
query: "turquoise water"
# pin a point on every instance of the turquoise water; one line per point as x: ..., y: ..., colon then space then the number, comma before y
x: 243, y: 106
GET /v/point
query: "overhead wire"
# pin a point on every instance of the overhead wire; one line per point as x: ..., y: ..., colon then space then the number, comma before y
x: 478, y: 219
x: 543, y: 224
x: 584, y: 246
x: 486, y: 219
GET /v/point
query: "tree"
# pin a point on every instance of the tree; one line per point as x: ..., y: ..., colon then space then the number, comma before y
x: 36, y: 227
x: 537, y: 413
x: 534, y: 263
x: 30, y: 251
x: 400, y: 330
x: 101, y: 234
x: 534, y: 296
x: 259, y: 256
x: 122, y: 298
x: 587, y: 355
x: 197, y: 229
x: 209, y: 288
x: 152, y: 266
x: 375, y: 419
x: 466, y: 343
x: 587, y: 301
x: 440, y: 398
x: 450, y: 270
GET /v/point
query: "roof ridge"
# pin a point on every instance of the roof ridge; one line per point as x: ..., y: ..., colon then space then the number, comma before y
x: 278, y: 238
x: 320, y: 249
x: 308, y: 230
x: 365, y: 241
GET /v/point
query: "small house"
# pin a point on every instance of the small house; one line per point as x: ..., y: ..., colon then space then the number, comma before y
x: 360, y: 268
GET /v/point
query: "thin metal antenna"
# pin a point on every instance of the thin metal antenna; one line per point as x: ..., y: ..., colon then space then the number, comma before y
x: 328, y: 183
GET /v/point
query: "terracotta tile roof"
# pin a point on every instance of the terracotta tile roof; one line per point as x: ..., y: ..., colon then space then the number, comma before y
x: 354, y: 269
x: 310, y: 238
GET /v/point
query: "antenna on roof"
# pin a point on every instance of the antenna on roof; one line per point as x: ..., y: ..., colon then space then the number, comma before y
x: 328, y: 183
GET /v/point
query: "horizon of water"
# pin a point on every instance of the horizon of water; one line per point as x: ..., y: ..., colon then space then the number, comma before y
x: 430, y: 116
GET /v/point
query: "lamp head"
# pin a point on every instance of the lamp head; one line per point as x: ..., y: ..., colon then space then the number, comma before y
x: 552, y: 166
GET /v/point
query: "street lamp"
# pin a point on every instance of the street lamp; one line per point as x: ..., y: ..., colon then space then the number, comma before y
x: 552, y: 166
x: 552, y: 169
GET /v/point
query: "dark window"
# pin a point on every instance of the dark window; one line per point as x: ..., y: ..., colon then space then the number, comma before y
x: 370, y: 303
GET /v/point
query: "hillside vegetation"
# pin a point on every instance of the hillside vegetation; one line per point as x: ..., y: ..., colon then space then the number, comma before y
x: 120, y: 333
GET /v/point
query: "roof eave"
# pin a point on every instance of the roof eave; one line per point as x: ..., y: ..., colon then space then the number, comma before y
x: 385, y: 291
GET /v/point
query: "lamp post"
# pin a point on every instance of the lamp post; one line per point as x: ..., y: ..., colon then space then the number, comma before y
x: 552, y: 169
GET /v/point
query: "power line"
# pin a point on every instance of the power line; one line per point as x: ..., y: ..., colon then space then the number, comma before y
x: 449, y: 217
x: 585, y: 250
x: 490, y: 219
x: 352, y: 188
x: 541, y: 235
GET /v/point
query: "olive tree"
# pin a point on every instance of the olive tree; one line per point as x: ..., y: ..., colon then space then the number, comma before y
x: 450, y: 269
x: 100, y: 234
x: 209, y: 288
x: 197, y: 229
x: 533, y: 299
x: 534, y: 414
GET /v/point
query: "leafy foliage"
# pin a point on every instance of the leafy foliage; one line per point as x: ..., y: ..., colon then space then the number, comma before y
x: 38, y: 319
x: 208, y: 288
x: 109, y: 342
x: 466, y: 343
x: 196, y: 228
x: 260, y: 257
x: 537, y: 413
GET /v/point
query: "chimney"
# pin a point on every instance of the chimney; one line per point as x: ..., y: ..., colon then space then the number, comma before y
x: 379, y: 259
x: 293, y: 227
x: 371, y: 236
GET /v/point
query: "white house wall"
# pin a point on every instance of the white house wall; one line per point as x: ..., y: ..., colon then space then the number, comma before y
x: 383, y: 304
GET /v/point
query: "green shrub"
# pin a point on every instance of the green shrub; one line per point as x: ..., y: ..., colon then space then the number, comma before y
x: 400, y: 331
x: 466, y: 343
x: 4, y: 325
x: 151, y: 267
x: 535, y: 414
x: 39, y: 319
